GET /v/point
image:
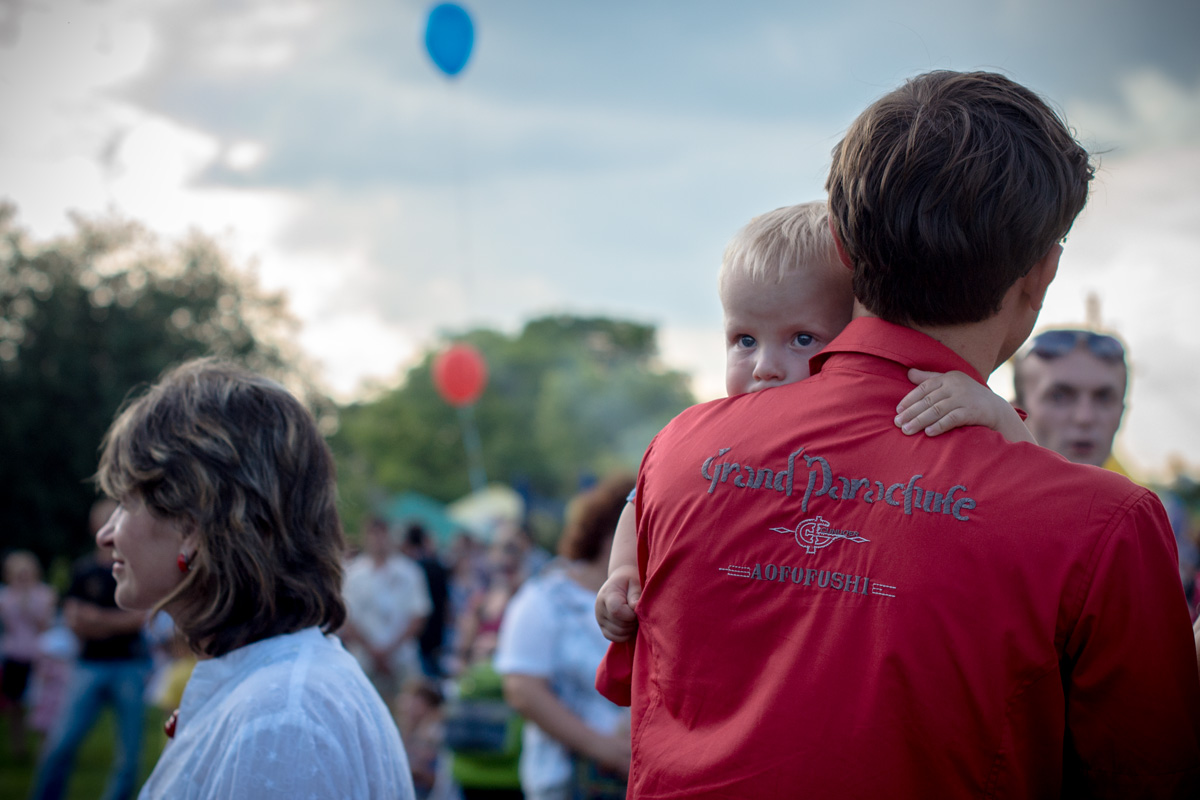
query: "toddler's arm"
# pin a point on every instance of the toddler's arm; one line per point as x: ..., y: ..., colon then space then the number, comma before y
x: 943, y: 401
x: 617, y: 598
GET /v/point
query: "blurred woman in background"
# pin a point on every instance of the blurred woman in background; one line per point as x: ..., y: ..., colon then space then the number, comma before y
x: 26, y: 610
x: 505, y: 571
x: 550, y: 646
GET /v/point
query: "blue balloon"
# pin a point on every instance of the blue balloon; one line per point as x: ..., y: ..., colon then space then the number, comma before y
x: 449, y: 36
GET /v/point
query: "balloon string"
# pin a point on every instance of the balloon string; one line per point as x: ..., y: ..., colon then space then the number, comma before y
x: 475, y: 471
x: 461, y: 201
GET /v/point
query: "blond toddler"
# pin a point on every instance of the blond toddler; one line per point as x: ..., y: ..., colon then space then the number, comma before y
x: 786, y: 294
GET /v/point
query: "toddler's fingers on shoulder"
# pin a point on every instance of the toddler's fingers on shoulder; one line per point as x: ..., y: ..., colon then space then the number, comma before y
x: 910, y: 399
x: 919, y: 376
x: 956, y: 418
x: 936, y: 428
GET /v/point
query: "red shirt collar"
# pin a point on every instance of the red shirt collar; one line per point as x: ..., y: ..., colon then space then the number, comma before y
x: 905, y: 346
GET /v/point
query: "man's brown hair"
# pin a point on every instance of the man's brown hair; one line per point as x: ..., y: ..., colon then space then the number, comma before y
x: 234, y: 458
x: 947, y: 190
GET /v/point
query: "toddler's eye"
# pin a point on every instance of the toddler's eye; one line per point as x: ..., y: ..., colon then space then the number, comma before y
x: 746, y: 340
x: 804, y: 339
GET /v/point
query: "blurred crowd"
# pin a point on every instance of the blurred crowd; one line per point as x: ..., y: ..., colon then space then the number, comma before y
x: 428, y: 622
x: 483, y: 644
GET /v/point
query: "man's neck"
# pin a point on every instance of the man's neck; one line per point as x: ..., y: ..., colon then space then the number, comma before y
x: 980, y: 344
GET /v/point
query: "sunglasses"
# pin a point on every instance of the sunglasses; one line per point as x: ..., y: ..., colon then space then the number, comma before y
x: 1053, y: 344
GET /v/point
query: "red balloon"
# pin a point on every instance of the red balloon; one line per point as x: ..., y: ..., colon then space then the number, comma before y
x: 459, y: 374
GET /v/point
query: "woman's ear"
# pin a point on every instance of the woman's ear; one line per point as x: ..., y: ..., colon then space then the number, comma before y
x: 189, y: 541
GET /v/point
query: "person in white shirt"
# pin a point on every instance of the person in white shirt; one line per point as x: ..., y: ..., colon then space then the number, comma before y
x: 387, y: 605
x: 574, y: 739
x: 228, y: 521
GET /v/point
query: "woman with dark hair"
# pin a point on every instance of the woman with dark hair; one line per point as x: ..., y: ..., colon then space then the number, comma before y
x: 227, y: 521
x: 550, y: 646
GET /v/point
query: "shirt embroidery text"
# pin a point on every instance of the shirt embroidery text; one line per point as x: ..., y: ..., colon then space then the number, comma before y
x: 822, y: 482
x: 820, y: 578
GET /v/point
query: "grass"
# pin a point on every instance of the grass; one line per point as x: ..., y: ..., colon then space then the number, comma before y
x: 92, y: 762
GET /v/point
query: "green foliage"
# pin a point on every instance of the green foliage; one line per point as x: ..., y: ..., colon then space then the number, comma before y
x: 566, y: 398
x: 84, y: 320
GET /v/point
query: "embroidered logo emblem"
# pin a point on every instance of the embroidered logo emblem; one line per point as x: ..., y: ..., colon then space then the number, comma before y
x: 814, y: 534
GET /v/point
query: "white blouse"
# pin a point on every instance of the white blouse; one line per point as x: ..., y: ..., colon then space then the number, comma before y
x: 291, y: 716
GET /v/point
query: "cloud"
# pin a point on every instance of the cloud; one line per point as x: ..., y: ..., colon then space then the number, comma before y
x: 1133, y: 248
x: 593, y: 158
x: 1152, y: 111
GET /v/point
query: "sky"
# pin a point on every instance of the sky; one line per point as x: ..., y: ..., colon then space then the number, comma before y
x: 592, y: 158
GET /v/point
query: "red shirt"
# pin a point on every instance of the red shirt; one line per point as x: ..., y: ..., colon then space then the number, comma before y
x: 831, y: 608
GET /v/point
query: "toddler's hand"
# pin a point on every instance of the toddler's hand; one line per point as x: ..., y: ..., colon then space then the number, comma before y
x: 616, y: 604
x: 943, y: 401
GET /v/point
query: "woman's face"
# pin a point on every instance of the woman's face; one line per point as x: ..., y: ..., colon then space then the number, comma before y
x: 145, y: 551
x: 508, y: 550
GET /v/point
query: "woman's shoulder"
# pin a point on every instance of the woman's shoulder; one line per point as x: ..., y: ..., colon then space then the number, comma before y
x: 551, y: 595
x: 555, y: 579
x: 314, y: 685
x: 309, y: 650
x: 276, y: 673
x: 535, y: 589
x: 294, y: 715
x: 550, y: 574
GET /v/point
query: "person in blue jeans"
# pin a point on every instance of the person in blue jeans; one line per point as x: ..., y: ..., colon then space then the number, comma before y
x: 112, y: 669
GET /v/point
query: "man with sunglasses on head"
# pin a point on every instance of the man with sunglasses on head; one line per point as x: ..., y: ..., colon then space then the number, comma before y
x: 1071, y: 384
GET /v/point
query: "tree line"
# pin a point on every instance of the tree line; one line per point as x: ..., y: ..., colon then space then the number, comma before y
x: 88, y: 317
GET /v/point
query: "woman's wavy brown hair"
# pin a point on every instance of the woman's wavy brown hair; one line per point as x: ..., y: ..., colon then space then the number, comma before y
x: 592, y: 518
x: 235, y: 459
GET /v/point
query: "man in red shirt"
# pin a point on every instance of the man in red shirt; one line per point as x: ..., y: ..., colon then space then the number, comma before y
x: 831, y: 608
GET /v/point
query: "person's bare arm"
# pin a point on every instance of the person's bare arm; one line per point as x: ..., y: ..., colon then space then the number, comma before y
x: 531, y: 697
x: 45, y: 619
x: 616, y: 602
x: 467, y: 629
x: 943, y: 401
x: 90, y: 621
x: 411, y: 631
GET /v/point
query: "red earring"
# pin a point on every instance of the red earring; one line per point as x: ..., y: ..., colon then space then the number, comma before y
x: 183, y: 563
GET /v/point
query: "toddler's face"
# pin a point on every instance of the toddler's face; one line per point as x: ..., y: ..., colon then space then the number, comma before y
x: 772, y: 329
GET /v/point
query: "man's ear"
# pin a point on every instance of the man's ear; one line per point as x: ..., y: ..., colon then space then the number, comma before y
x: 1041, y: 275
x: 837, y: 242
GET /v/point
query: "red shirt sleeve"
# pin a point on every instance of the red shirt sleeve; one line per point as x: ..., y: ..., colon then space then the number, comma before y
x: 1130, y: 668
